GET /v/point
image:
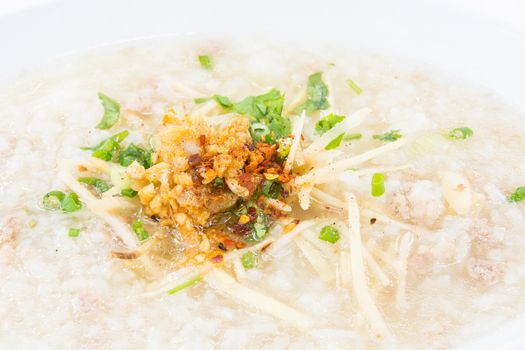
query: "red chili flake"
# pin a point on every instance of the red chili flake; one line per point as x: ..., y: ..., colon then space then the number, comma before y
x: 217, y: 258
x: 241, y: 230
x: 195, y: 177
x: 194, y: 159
x: 252, y: 213
x: 229, y: 244
x: 202, y: 140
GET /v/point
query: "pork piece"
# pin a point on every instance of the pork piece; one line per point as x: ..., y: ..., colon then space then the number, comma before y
x: 487, y: 272
x: 421, y: 204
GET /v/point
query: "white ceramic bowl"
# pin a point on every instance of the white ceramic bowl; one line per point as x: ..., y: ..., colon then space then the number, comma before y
x: 468, y: 47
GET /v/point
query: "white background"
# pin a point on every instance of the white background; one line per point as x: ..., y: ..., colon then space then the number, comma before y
x: 510, y: 13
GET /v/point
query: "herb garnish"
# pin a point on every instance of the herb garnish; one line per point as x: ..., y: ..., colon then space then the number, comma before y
x: 354, y: 86
x: 128, y: 192
x: 378, y: 184
x: 350, y: 137
x: 106, y: 149
x: 249, y: 260
x: 185, y: 285
x: 461, y: 133
x: 518, y: 195
x: 336, y: 142
x: 100, y: 185
x: 139, y: 230
x: 205, y: 62
x: 223, y: 101
x: 316, y: 93
x: 327, y: 123
x: 388, y: 136
x: 54, y: 200
x: 111, y: 112
x: 74, y: 232
x: 329, y: 234
x: 135, y: 153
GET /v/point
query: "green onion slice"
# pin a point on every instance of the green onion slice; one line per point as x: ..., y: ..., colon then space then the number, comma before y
x: 378, y: 184
x: 329, y: 234
x: 185, y: 285
x: 74, y: 232
x: 249, y: 260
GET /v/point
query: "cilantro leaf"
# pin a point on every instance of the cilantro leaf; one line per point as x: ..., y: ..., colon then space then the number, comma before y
x: 388, y: 136
x: 223, y: 101
x: 518, y: 195
x: 316, y: 93
x: 327, y: 123
x: 111, y: 112
x: 135, y: 153
x: 107, y: 148
x: 280, y: 127
x: 270, y: 103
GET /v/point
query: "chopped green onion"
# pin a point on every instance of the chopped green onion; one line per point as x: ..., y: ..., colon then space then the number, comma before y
x: 316, y: 93
x: 272, y: 188
x: 336, y: 142
x: 270, y: 103
x: 350, y: 137
x: 185, y: 285
x: 74, y: 232
x: 260, y: 230
x: 389, y: 136
x: 329, y: 234
x: 378, y: 184
x: 100, y: 185
x: 139, y: 230
x: 327, y: 123
x: 285, y: 144
x: 518, y: 195
x: 249, y: 260
x: 217, y: 182
x: 128, y: 192
x: 106, y: 149
x: 52, y: 200
x: 460, y: 133
x: 111, y: 112
x: 135, y: 153
x: 354, y: 86
x: 71, y: 203
x: 223, y: 101
x: 205, y: 62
